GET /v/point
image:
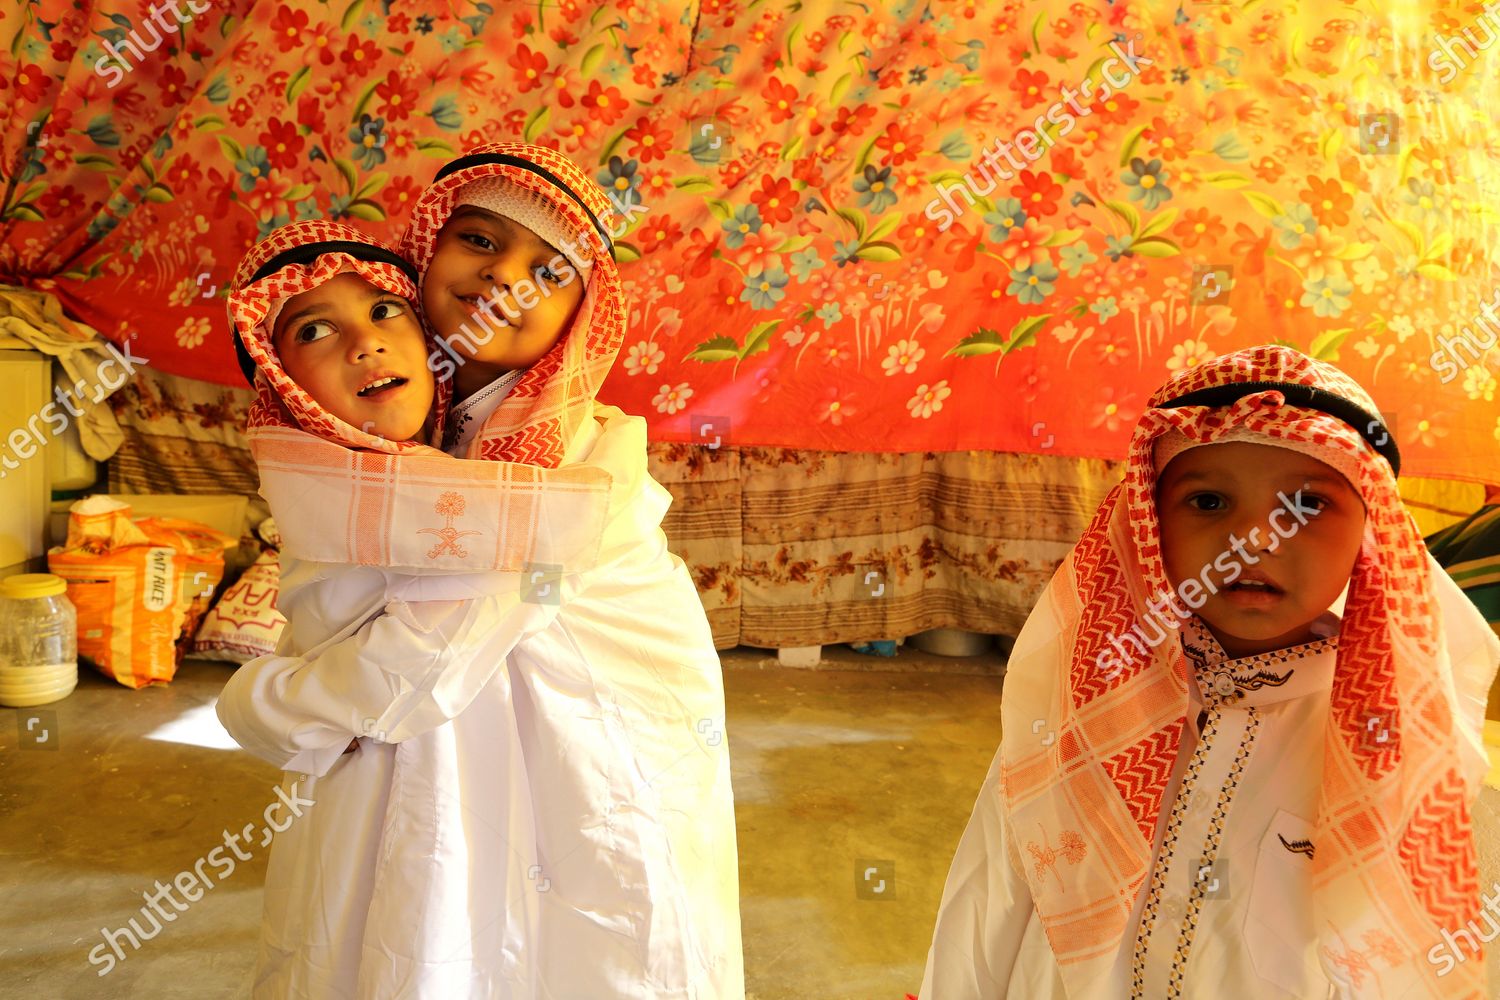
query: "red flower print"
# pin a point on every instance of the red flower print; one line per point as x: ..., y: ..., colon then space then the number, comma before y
x: 807, y: 170
x: 603, y: 104
x: 241, y: 111
x: 1117, y: 109
x: 658, y: 231
x: 1065, y: 161
x: 900, y: 145
x: 399, y: 195
x: 1198, y: 225
x: 775, y: 199
x: 656, y: 187
x: 1168, y: 143
x: 1268, y: 169
x: 172, y: 83
x: 993, y: 285
x: 529, y: 66
x: 59, y: 202
x: 323, y: 43
x: 1281, y: 297
x: 1030, y: 86
x: 732, y: 174
x: 31, y: 82
x: 398, y: 98
x: 917, y: 234
x: 648, y: 140
x: 1329, y: 202
x: 221, y: 188
x: 852, y: 121
x: 310, y: 112
x: 643, y: 75
x: 962, y: 249
x: 283, y: 144
x: 359, y: 55
x: 1250, y: 251
x: 699, y: 258
x: 781, y: 100
x: 288, y: 28
x: 398, y: 24
x: 1038, y: 193
x: 1025, y: 246
x: 184, y: 174
x: 63, y: 50
x: 726, y: 295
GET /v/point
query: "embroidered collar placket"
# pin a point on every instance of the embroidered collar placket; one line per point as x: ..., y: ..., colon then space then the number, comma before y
x: 1193, y: 870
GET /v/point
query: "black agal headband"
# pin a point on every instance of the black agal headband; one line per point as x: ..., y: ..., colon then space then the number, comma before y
x: 1369, y: 425
x: 306, y: 254
x: 505, y: 159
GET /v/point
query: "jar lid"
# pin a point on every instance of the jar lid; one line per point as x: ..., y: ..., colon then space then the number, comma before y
x: 26, y: 586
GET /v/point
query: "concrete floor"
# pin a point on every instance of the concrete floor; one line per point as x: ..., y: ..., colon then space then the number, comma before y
x: 862, y: 761
x: 833, y: 769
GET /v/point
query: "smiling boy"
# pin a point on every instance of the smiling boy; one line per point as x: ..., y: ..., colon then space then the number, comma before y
x: 485, y: 262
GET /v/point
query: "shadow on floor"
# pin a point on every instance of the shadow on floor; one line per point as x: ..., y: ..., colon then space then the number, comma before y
x: 835, y: 771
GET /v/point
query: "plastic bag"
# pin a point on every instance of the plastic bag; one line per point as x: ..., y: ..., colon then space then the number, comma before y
x: 136, y: 585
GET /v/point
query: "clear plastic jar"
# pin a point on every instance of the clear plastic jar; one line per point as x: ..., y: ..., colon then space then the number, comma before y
x: 39, y: 652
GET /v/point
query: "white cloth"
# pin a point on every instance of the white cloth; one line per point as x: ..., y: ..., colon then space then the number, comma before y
x: 468, y: 416
x: 540, y: 806
x: 1244, y: 820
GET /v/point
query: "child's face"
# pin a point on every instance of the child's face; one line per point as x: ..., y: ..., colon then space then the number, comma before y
x: 529, y: 286
x: 1209, y: 497
x: 341, y: 339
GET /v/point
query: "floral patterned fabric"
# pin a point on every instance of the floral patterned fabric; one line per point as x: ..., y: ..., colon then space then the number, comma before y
x: 1306, y: 173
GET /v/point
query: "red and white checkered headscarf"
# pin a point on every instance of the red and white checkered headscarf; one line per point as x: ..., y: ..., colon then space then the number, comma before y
x: 1395, y: 863
x: 551, y: 402
x: 341, y: 495
x: 253, y: 307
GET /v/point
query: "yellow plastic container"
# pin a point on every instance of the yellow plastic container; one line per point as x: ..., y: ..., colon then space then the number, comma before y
x: 38, y: 640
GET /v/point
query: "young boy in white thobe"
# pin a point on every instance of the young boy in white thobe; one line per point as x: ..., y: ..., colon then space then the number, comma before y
x: 538, y: 801
x: 1241, y: 730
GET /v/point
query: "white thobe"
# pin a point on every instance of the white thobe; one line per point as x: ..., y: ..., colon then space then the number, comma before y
x: 1237, y: 814
x: 540, y: 804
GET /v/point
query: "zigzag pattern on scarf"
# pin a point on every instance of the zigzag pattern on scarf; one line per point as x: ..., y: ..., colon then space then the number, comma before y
x: 531, y: 445
x: 1437, y: 855
x: 1364, y: 696
x: 1141, y: 773
x: 1101, y: 578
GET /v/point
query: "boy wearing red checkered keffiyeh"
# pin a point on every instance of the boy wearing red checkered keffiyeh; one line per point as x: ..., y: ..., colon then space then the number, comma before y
x: 539, y: 804
x: 521, y: 289
x: 1241, y: 730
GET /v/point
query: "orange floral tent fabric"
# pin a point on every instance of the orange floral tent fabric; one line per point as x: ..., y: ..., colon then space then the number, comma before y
x: 824, y: 243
